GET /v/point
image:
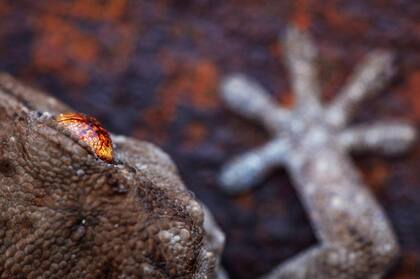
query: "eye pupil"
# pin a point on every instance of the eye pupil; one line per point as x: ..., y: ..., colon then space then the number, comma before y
x: 90, y: 131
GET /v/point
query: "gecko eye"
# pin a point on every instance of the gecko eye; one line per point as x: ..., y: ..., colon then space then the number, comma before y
x: 89, y: 131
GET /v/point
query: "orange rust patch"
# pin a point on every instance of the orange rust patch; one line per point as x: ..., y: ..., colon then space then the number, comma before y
x: 246, y: 201
x: 376, y: 175
x: 62, y: 46
x: 276, y: 50
x: 192, y: 83
x: 409, y: 266
x: 204, y: 87
x: 411, y: 89
x: 195, y: 133
x: 4, y: 8
x: 301, y: 17
x: 90, y: 9
x: 341, y: 20
x: 287, y: 99
x: 90, y: 131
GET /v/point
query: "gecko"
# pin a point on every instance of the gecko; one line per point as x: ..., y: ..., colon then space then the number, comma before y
x: 311, y: 139
x: 78, y: 202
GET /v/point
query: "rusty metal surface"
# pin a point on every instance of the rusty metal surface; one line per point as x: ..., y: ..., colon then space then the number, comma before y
x: 150, y: 69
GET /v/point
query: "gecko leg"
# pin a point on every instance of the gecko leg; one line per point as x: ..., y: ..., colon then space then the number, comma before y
x: 368, y: 79
x: 301, y: 54
x: 250, y: 168
x: 388, y: 137
x: 311, y: 141
x: 249, y: 99
x: 355, y: 237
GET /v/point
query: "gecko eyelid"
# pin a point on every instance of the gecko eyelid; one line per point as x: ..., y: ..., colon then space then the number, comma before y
x: 87, y: 129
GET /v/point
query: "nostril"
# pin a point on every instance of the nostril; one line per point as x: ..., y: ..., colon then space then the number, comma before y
x: 7, y: 168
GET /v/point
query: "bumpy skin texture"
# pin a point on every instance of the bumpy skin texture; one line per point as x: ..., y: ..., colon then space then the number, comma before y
x: 311, y: 141
x: 64, y: 213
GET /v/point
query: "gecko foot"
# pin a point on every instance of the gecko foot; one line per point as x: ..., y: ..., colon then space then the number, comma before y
x: 311, y: 140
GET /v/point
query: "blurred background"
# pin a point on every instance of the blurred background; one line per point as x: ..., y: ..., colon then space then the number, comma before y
x: 151, y: 69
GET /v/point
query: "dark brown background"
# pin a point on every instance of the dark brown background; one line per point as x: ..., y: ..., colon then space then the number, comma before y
x: 150, y: 69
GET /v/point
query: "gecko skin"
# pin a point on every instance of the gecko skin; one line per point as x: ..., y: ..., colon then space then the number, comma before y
x: 311, y: 141
x: 64, y: 213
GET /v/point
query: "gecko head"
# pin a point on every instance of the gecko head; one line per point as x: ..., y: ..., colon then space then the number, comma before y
x: 130, y: 216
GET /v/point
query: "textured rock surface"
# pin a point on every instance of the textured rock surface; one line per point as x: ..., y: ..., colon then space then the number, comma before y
x: 150, y: 69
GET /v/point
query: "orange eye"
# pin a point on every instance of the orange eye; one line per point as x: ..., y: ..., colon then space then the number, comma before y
x: 90, y: 131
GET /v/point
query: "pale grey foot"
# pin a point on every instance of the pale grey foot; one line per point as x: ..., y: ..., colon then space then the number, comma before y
x: 311, y: 141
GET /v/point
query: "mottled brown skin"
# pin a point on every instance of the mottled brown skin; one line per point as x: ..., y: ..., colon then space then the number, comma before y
x: 64, y: 213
